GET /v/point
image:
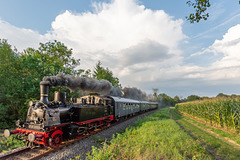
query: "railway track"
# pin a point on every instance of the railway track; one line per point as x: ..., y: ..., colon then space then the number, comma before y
x: 26, y: 153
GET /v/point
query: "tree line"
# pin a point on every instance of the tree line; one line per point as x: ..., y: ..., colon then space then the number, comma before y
x: 21, y: 73
x: 166, y: 100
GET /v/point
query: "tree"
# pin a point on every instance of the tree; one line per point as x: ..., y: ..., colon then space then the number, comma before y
x: 104, y: 73
x: 166, y: 100
x: 200, y: 13
x: 221, y: 95
x: 21, y: 73
x: 10, y: 83
x: 200, y: 8
x: 51, y: 58
x: 193, y: 98
x: 176, y: 99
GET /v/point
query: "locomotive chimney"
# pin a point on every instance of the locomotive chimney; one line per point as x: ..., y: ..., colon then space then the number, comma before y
x: 44, y: 89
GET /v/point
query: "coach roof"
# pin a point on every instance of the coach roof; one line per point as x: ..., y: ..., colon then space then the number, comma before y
x: 124, y: 100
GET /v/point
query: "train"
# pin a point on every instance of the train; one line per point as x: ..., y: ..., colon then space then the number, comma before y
x: 49, y: 123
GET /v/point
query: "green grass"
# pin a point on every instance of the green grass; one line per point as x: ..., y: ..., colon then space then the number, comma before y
x: 156, y: 136
x: 10, y: 143
x: 215, y: 145
x: 222, y: 133
x: 224, y: 112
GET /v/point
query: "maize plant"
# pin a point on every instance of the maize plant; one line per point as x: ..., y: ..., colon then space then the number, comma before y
x: 224, y: 112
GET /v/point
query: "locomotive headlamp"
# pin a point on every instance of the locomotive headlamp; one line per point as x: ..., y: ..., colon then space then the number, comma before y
x: 6, y: 133
x: 31, y: 137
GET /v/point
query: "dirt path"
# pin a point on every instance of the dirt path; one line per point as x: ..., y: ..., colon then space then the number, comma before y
x: 195, y: 138
x: 225, y: 139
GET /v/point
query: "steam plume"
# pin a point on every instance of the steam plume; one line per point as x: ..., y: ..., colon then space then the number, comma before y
x: 134, y: 93
x: 82, y: 83
x: 92, y: 85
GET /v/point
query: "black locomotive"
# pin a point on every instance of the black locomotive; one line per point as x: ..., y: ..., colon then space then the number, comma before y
x: 49, y: 123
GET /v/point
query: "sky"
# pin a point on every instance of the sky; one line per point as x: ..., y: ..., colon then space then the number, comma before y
x: 145, y: 43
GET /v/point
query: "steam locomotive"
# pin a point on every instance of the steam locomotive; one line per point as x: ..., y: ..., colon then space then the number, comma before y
x: 49, y: 123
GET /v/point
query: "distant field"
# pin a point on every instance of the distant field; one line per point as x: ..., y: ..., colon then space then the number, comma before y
x: 221, y: 112
x: 157, y: 136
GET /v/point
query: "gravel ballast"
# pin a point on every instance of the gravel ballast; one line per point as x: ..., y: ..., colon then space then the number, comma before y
x: 84, y: 146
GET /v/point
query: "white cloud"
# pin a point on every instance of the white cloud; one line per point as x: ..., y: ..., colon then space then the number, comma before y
x: 115, y: 27
x: 229, y: 47
x: 139, y: 45
x: 225, y: 70
x: 21, y: 38
x: 133, y: 41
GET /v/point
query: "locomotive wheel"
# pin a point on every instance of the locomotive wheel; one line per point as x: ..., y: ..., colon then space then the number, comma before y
x: 79, y: 137
x: 55, y: 139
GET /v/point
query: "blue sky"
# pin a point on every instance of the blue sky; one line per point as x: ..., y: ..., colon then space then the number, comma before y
x: 146, y: 43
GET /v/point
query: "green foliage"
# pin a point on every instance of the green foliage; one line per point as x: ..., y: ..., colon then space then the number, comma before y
x: 167, y: 100
x: 200, y: 7
x: 21, y: 73
x: 98, y: 139
x: 10, y: 143
x: 221, y: 95
x: 10, y: 83
x: 104, y: 73
x: 193, y: 98
x: 155, y: 137
x: 50, y: 59
x: 176, y: 99
x: 220, y: 132
x: 4, y: 115
x: 217, y: 145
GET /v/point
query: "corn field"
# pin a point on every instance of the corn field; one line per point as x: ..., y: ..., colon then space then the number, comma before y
x: 224, y: 112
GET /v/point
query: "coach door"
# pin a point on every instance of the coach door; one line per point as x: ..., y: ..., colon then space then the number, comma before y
x: 117, y: 110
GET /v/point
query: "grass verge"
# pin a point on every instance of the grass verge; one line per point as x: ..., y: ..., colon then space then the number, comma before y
x: 157, y: 136
x: 7, y: 144
x: 232, y: 136
x: 218, y: 147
